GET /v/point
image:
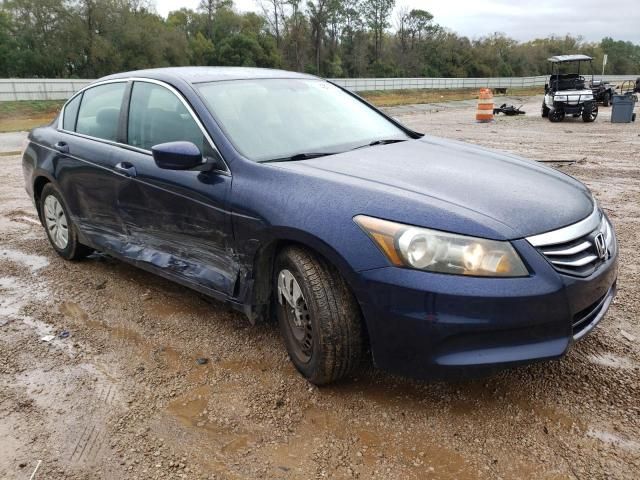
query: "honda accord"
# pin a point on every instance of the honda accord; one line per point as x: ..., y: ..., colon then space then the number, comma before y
x: 288, y: 196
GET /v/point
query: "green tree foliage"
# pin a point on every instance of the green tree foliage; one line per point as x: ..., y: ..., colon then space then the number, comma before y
x: 350, y: 38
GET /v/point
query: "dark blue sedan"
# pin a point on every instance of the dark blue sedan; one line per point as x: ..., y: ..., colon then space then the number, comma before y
x: 288, y: 196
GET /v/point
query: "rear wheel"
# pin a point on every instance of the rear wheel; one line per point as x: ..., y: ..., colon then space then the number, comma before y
x: 556, y: 115
x: 590, y: 112
x: 60, y: 229
x: 319, y: 318
x: 606, y: 99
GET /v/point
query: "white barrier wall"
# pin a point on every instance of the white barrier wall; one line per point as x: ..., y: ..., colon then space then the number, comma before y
x: 369, y: 84
x: 39, y: 89
x: 56, y: 89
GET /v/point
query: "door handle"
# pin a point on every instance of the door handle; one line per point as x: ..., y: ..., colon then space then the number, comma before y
x: 126, y: 168
x: 62, y: 147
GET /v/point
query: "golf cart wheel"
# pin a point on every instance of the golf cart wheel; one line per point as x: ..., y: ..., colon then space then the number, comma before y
x: 633, y: 117
x: 606, y: 100
x: 556, y: 115
x: 590, y: 113
x: 319, y: 318
x: 545, y: 110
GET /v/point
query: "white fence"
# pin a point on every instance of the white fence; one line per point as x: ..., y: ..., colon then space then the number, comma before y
x: 55, y: 89
x: 370, y: 84
x: 39, y: 89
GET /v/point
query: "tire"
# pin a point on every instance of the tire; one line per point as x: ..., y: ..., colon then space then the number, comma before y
x: 545, y: 110
x: 590, y: 112
x: 328, y: 342
x: 633, y: 117
x: 556, y: 115
x: 53, y: 209
x: 606, y: 99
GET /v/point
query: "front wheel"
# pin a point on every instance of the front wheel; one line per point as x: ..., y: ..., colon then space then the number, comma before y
x: 556, y: 115
x: 590, y: 112
x: 60, y: 229
x: 318, y: 316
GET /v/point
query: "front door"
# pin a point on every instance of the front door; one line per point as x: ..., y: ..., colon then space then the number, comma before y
x: 176, y: 221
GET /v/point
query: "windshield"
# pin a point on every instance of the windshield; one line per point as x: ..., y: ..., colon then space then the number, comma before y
x: 268, y: 119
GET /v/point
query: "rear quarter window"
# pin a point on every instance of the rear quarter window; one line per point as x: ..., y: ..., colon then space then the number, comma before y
x: 71, y: 114
x: 99, y: 112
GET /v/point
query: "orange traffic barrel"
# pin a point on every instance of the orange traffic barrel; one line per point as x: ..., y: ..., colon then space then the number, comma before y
x: 484, y: 114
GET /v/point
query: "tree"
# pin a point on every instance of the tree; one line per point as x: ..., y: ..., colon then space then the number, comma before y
x: 376, y: 14
x: 273, y: 11
x: 210, y: 8
x: 318, y: 21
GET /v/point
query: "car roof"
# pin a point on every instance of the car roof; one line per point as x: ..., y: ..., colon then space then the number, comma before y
x: 208, y: 74
x: 569, y: 58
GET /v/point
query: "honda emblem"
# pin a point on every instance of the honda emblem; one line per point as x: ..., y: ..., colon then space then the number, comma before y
x: 601, y: 246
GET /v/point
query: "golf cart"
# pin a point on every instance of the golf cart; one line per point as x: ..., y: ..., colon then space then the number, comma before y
x: 567, y: 92
x: 602, y: 91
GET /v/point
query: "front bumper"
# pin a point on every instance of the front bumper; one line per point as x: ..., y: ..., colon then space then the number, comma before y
x: 429, y: 325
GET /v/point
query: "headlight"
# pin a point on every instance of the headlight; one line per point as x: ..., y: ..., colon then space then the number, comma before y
x: 436, y: 251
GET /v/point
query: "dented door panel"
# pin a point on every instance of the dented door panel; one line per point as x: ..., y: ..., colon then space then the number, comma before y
x: 177, y: 221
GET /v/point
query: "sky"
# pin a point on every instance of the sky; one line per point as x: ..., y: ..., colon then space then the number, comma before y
x: 519, y: 19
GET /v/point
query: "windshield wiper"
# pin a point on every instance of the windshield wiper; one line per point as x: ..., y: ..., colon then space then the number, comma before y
x: 299, y: 156
x: 381, y: 142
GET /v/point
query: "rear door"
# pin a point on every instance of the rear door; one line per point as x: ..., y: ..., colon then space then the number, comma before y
x: 86, y: 168
x: 175, y: 220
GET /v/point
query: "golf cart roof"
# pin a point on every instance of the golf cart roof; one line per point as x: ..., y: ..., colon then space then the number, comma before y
x: 570, y: 58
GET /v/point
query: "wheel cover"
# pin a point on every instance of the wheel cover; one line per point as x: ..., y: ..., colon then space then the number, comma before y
x: 297, y: 315
x: 56, y: 222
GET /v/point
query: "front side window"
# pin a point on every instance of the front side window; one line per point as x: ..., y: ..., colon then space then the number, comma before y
x: 276, y: 118
x: 99, y: 111
x: 71, y: 114
x: 157, y: 115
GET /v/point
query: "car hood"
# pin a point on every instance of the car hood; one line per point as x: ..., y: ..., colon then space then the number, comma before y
x: 522, y: 195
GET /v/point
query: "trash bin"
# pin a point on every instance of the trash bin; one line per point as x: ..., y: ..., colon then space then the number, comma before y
x: 622, y: 108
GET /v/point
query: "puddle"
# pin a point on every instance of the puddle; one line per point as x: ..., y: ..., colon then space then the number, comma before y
x: 191, y: 411
x: 612, y: 360
x: 613, y: 439
x: 117, y: 331
x: 125, y: 336
x: 33, y: 262
x: 14, y: 295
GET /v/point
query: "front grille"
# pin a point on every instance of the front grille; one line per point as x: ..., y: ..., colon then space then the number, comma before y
x: 578, y: 249
x: 576, y: 257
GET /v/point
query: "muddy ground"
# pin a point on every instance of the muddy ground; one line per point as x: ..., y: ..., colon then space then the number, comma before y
x: 123, y: 396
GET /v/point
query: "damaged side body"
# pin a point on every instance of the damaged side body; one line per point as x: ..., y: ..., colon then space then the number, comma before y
x: 176, y: 224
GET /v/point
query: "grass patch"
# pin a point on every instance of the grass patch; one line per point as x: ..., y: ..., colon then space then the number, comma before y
x: 392, y: 98
x: 27, y: 114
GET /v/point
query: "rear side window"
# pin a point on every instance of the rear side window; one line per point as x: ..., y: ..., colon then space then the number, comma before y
x: 157, y: 115
x: 71, y: 114
x: 99, y: 111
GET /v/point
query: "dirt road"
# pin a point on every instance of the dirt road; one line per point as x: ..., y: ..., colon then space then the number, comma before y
x: 124, y: 395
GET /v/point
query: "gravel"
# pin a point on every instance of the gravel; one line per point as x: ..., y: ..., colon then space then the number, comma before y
x: 124, y: 395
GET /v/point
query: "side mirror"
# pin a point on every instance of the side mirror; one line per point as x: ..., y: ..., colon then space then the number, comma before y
x: 177, y: 156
